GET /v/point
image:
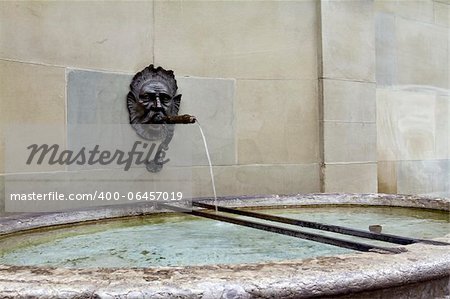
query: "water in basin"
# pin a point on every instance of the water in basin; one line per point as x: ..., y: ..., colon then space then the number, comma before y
x: 176, y: 240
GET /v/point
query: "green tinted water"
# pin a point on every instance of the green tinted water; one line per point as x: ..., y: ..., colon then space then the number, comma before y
x: 186, y: 240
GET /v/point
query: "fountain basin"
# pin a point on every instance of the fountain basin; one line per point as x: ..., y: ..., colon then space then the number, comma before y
x: 422, y: 269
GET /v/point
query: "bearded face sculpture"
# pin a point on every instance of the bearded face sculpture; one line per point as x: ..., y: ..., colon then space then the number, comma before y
x: 153, y: 105
x: 151, y: 102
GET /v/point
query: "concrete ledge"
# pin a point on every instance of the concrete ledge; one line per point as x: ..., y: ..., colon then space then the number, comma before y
x: 372, y: 199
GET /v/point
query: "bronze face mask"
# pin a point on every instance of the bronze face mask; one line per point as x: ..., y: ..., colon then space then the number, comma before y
x: 151, y: 100
x: 153, y: 106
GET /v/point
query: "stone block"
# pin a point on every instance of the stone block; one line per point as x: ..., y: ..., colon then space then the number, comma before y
x: 448, y: 130
x: 100, y: 35
x: 387, y: 177
x: 257, y: 179
x: 349, y: 101
x: 350, y: 178
x: 243, y: 39
x: 31, y: 95
x: 277, y: 121
x: 350, y: 142
x: 348, y: 40
x: 97, y: 97
x: 2, y: 195
x: 417, y: 10
x: 422, y: 54
x: 386, y: 49
x: 406, y: 123
x: 385, y: 6
x: 442, y: 127
x: 442, y: 14
x: 424, y: 177
x: 212, y: 101
x: 443, y: 1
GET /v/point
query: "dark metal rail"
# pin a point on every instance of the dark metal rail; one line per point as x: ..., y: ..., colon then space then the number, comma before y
x: 286, y: 231
x: 320, y: 226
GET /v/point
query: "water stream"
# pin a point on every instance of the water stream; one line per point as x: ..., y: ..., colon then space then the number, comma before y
x: 210, y: 164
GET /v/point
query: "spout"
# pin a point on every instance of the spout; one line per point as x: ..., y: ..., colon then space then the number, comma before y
x: 180, y: 119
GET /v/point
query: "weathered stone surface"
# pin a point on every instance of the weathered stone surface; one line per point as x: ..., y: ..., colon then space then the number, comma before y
x: 358, y: 178
x: 350, y: 142
x: 101, y: 35
x: 257, y: 179
x: 409, y: 51
x: 442, y: 1
x: 426, y: 177
x: 387, y: 177
x: 277, y: 121
x: 349, y: 101
x: 422, y: 54
x: 324, y: 276
x: 406, y: 125
x: 30, y: 95
x: 2, y: 195
x: 442, y: 14
x: 348, y: 43
x: 100, y: 98
x: 432, y: 289
x: 412, y: 43
x: 385, y: 6
x: 97, y: 97
x: 212, y: 101
x: 417, y: 10
x: 243, y: 40
x: 442, y: 127
x: 23, y: 139
x: 386, y: 49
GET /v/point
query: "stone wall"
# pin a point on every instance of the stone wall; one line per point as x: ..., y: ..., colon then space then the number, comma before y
x: 413, y: 99
x: 347, y: 97
x: 295, y: 96
x: 247, y: 70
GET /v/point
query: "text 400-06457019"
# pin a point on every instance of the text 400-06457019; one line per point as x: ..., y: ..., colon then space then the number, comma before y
x: 142, y: 196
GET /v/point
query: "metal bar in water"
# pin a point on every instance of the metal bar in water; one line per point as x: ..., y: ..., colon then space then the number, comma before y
x: 320, y: 226
x: 285, y: 231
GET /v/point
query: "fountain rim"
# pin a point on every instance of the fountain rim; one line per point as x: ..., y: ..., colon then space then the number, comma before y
x: 322, y: 276
x: 17, y: 223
